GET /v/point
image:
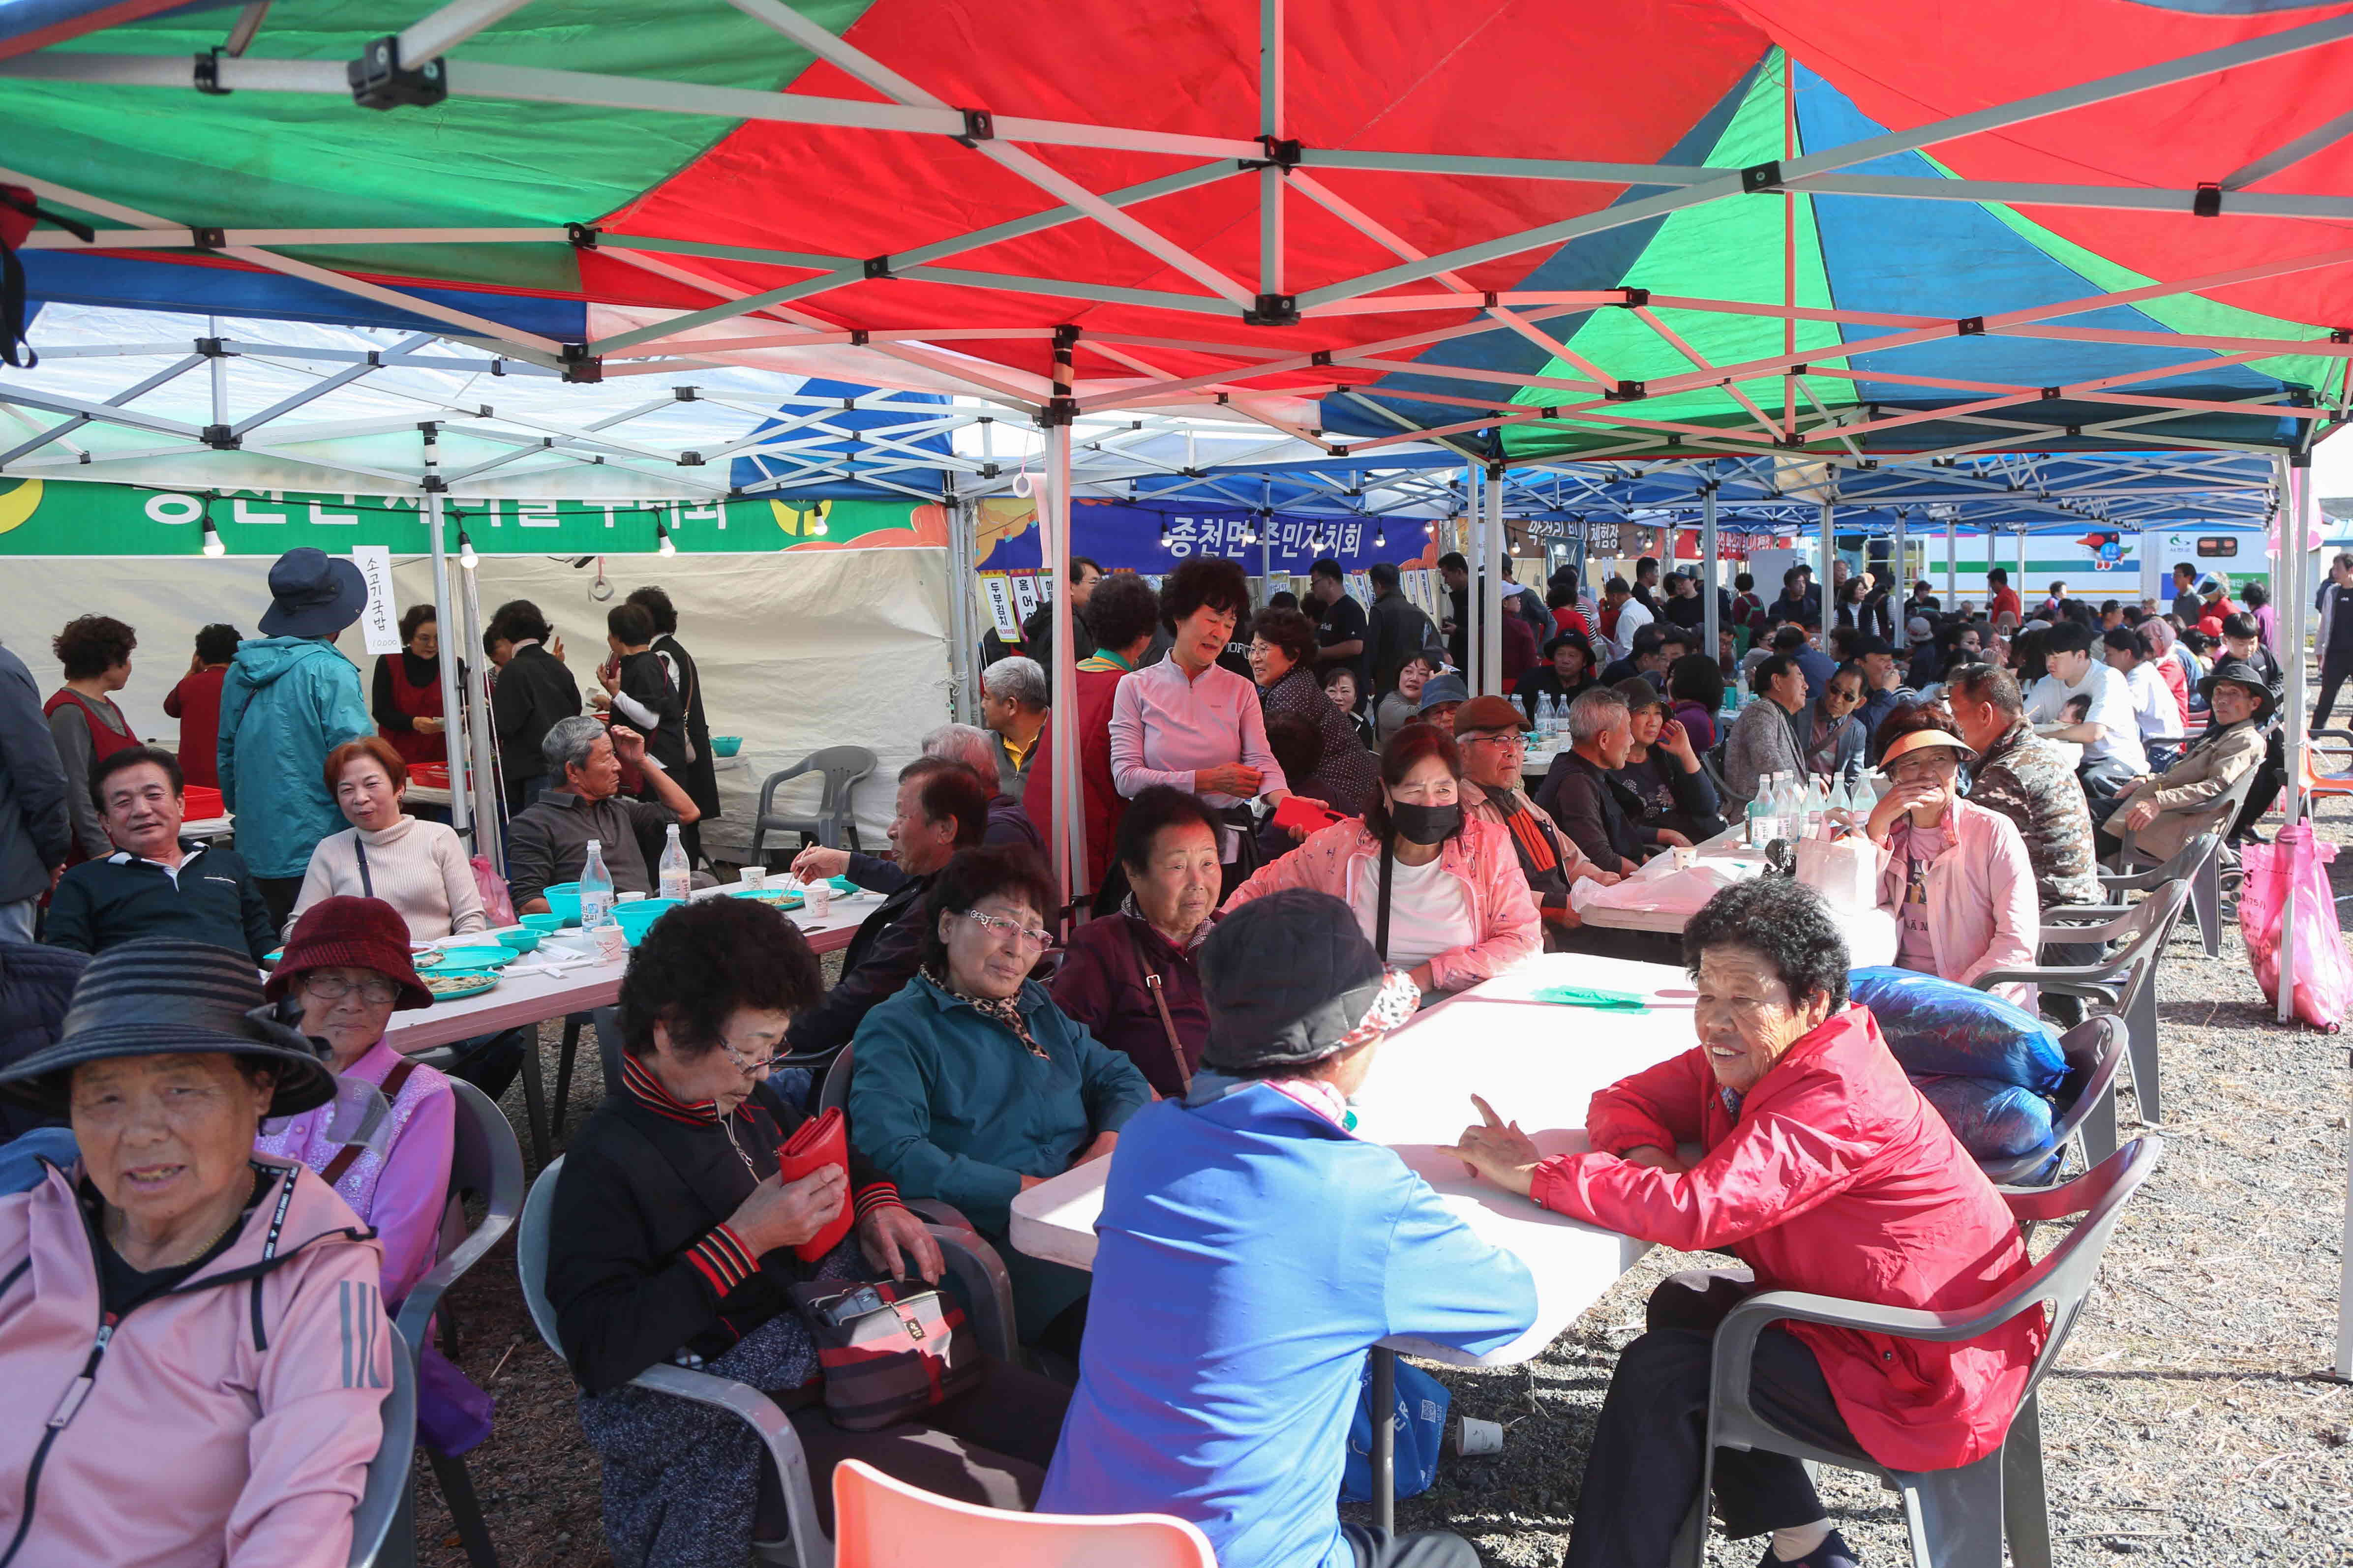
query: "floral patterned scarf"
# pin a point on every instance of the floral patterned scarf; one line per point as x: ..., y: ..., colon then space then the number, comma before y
x: 1006, y: 1010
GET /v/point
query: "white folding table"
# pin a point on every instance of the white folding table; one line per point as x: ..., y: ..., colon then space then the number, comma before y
x: 1871, y: 934
x: 527, y: 994
x: 1537, y: 1063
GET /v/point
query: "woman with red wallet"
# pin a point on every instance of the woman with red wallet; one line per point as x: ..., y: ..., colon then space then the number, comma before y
x: 679, y: 1231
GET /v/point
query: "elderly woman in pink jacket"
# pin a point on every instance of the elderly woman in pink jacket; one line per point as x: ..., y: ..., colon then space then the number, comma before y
x: 194, y: 1346
x: 1955, y: 875
x: 1440, y: 893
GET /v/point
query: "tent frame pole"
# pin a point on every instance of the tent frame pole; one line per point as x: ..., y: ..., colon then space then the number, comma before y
x: 488, y: 829
x: 1492, y: 552
x: 1069, y: 847
x: 461, y: 812
x: 963, y: 705
x: 2294, y: 471
x: 1709, y: 566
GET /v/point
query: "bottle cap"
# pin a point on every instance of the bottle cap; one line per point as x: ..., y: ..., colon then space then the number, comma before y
x: 594, y: 844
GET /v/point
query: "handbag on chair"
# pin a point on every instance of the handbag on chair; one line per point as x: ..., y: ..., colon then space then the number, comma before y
x: 890, y: 1351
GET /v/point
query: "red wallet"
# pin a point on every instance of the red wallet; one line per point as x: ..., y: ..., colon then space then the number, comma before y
x: 1298, y: 811
x: 820, y: 1141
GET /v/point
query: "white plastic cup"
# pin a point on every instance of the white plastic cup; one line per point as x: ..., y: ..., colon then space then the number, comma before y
x: 820, y: 897
x: 612, y: 943
x: 1686, y: 856
x: 627, y: 898
x: 753, y: 876
x: 1473, y: 1436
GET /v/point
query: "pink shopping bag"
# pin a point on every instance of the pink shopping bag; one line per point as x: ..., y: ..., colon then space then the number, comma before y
x: 2323, y: 976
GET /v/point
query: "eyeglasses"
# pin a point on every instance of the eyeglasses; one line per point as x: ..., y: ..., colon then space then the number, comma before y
x: 1509, y: 739
x: 998, y: 925
x: 751, y: 1068
x: 327, y: 989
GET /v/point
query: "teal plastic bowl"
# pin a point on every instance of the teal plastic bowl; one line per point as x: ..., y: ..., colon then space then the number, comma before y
x: 523, y: 941
x: 564, y: 898
x: 545, y: 925
x: 634, y: 917
x: 727, y: 746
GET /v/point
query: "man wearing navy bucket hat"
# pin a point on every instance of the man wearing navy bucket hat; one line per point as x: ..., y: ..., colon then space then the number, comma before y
x: 288, y: 698
x: 1251, y: 1249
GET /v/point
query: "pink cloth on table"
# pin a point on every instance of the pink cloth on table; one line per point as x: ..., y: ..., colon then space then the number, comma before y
x: 400, y: 1184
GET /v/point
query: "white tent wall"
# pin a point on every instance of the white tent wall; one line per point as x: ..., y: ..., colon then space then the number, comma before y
x: 816, y: 648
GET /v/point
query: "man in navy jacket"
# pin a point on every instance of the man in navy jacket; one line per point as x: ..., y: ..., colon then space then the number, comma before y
x: 1252, y: 1251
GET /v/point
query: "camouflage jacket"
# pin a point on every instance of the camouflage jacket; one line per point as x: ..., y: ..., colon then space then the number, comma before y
x: 2028, y: 780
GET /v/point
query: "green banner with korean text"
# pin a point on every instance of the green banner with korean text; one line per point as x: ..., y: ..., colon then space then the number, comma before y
x: 64, y: 517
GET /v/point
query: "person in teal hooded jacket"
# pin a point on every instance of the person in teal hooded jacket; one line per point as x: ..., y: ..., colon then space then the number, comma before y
x: 970, y: 1085
x: 288, y: 698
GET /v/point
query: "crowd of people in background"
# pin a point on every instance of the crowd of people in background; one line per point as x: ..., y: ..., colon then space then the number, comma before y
x: 1302, y: 826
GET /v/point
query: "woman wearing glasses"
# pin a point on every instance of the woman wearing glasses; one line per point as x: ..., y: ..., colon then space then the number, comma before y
x: 972, y: 1085
x: 1954, y: 874
x: 347, y: 966
x: 674, y: 1241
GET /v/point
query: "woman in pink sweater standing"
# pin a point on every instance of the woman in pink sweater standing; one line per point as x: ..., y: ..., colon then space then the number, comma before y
x: 418, y: 867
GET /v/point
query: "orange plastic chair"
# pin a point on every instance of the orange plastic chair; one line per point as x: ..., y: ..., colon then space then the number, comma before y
x: 2318, y: 785
x: 879, y: 1522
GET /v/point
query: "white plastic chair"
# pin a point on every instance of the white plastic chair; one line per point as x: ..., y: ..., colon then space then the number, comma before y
x: 879, y: 1523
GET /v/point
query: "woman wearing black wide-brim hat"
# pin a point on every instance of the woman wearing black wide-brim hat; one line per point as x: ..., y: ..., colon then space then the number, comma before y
x: 170, y: 1295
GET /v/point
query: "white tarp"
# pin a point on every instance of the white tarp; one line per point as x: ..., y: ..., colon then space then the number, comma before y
x: 814, y: 648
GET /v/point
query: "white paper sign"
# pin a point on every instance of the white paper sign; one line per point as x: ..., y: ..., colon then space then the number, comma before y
x: 1025, y: 594
x: 380, y: 622
x: 1000, y: 605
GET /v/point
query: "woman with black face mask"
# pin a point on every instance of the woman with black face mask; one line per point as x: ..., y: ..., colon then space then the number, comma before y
x: 1441, y: 894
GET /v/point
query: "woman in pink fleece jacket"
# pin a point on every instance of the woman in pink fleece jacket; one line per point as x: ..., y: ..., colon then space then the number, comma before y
x: 1955, y: 875
x: 1458, y: 910
x: 192, y: 1341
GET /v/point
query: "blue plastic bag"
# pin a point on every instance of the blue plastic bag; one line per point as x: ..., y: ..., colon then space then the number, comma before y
x: 1420, y: 1421
x: 1993, y: 1120
x: 1951, y: 1030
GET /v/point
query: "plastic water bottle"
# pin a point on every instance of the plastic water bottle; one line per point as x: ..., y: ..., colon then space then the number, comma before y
x: 1789, y: 809
x: 595, y: 889
x: 1818, y: 802
x: 676, y: 877
x: 1555, y: 716
x: 1760, y: 829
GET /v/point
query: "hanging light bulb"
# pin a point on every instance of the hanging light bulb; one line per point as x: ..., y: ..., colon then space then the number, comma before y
x: 213, y: 544
x: 467, y: 559
x: 816, y: 524
x: 1380, y: 537
x: 662, y: 545
x: 1164, y: 533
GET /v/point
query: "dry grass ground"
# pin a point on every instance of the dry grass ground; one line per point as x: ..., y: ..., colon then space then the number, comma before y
x: 2186, y: 1425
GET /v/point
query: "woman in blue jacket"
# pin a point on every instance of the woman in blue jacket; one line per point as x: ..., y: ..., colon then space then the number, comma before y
x: 970, y: 1085
x: 1252, y: 1251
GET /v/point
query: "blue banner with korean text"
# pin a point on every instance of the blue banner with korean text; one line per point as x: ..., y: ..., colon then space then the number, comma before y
x: 1153, y: 539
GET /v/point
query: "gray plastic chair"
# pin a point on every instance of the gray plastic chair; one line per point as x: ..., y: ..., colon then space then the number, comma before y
x: 487, y: 1162
x: 1957, y: 1518
x: 2202, y: 871
x: 833, y: 1093
x: 842, y: 766
x: 2094, y: 1049
x: 385, y: 1499
x: 2123, y: 983
x: 973, y: 1262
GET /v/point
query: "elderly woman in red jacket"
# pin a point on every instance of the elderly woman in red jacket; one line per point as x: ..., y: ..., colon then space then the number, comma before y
x: 1822, y: 1169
